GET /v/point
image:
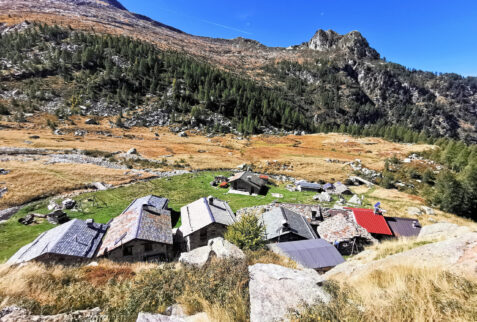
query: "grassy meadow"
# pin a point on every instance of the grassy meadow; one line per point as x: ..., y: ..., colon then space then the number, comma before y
x: 104, y: 205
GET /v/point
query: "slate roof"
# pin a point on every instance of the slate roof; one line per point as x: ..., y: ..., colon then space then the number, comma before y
x: 254, y: 179
x: 273, y: 222
x: 340, y: 225
x: 405, y: 227
x: 309, y: 185
x: 202, y: 213
x: 146, y: 218
x: 75, y: 238
x: 312, y: 253
x: 374, y: 224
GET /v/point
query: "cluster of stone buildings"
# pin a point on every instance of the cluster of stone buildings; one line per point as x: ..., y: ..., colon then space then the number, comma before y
x: 313, y: 236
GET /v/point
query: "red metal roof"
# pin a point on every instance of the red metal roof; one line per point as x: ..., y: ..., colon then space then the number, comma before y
x: 374, y: 224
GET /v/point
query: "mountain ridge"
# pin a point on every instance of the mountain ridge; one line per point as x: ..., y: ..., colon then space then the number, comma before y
x: 331, y: 79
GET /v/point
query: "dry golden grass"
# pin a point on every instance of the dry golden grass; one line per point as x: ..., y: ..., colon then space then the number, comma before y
x: 305, y: 155
x: 28, y: 181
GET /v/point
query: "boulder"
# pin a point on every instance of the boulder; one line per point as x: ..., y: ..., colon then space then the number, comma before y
x: 53, y: 206
x: 428, y: 210
x: 57, y: 217
x: 183, y: 134
x: 323, y: 197
x: 216, y: 247
x: 27, y: 220
x: 57, y: 132
x: 414, y: 211
x: 149, y: 317
x: 275, y: 289
x: 4, y: 172
x: 3, y: 191
x: 442, y: 230
x: 68, y: 203
x: 277, y: 195
x: 100, y: 186
x: 355, y: 200
x: 91, y: 122
x: 17, y: 314
x: 457, y: 254
x: 132, y: 151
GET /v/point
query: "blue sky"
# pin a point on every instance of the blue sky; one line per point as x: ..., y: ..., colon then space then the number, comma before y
x: 429, y: 35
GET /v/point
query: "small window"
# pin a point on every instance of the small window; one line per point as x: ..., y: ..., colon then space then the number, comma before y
x: 148, y: 247
x: 127, y: 251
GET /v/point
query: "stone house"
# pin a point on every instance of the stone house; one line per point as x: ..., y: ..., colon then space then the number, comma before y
x: 142, y: 232
x: 73, y: 242
x: 203, y: 220
x: 282, y: 224
x: 249, y: 182
x: 340, y: 228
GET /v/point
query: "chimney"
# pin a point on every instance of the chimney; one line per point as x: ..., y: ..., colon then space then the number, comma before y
x: 313, y: 214
x: 211, y: 200
x: 249, y: 178
x: 89, y: 222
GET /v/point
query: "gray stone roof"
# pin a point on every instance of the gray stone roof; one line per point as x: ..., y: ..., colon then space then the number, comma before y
x: 202, y: 213
x: 315, y: 253
x: 75, y: 238
x: 146, y: 219
x: 274, y: 219
x: 250, y: 177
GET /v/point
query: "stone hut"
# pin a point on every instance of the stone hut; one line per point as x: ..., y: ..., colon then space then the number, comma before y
x: 73, y: 242
x: 142, y: 232
x: 249, y: 182
x: 203, y: 220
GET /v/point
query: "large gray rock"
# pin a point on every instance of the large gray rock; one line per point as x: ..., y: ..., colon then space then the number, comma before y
x: 323, y: 197
x: 414, y: 211
x: 442, y: 231
x: 457, y: 254
x: 216, y: 247
x: 68, y: 203
x: 355, y: 200
x: 17, y: 314
x: 149, y: 317
x: 275, y: 289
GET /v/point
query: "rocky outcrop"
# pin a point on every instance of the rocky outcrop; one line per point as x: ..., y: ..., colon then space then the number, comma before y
x: 149, y: 317
x: 274, y: 289
x: 352, y: 43
x: 458, y: 254
x: 17, y: 314
x: 442, y: 231
x: 218, y: 247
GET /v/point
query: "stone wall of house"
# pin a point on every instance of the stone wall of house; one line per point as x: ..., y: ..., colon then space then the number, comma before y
x: 201, y: 237
x: 157, y: 252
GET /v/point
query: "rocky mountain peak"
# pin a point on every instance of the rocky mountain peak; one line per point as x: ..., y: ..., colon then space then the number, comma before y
x: 352, y: 43
x: 100, y: 3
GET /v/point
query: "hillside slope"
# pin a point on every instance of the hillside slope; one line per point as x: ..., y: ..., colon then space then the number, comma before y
x: 331, y: 80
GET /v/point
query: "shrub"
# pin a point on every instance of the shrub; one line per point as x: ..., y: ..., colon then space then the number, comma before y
x: 247, y: 233
x: 4, y: 110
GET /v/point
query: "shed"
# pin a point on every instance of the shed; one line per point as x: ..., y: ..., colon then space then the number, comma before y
x: 282, y: 224
x: 316, y: 254
x: 248, y: 182
x: 142, y: 232
x: 202, y: 220
x: 374, y: 224
x: 404, y: 227
x: 74, y: 241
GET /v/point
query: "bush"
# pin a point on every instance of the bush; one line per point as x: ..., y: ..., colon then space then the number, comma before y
x: 4, y: 110
x: 247, y: 233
